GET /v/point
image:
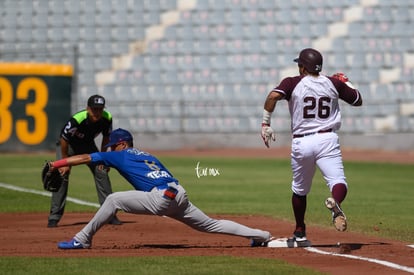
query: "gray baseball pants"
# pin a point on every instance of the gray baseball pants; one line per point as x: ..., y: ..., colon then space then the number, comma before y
x: 58, y: 201
x: 181, y: 209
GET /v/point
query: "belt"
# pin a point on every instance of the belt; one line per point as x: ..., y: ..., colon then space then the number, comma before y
x: 169, y: 191
x: 313, y: 133
x: 165, y: 186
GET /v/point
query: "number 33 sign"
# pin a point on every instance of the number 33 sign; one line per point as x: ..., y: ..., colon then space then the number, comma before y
x: 33, y: 99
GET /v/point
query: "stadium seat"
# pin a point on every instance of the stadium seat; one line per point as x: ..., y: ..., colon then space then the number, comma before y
x: 39, y: 20
x: 119, y: 18
x: 136, y: 32
x: 103, y: 19
x: 102, y: 63
x: 219, y: 50
x: 182, y: 32
x: 54, y: 20
x: 87, y: 20
x: 55, y: 34
x: 185, y: 62
x: 71, y: 34
x: 150, y: 17
x: 202, y: 47
x: 102, y: 33
x: 9, y: 34
x: 166, y: 5
x: 201, y: 62
x: 71, y: 20
x: 103, y: 48
x: 87, y: 34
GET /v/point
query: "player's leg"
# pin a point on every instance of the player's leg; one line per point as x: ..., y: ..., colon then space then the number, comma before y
x: 299, y: 204
x: 303, y: 170
x: 58, y: 200
x: 330, y: 163
x: 57, y: 203
x: 103, y: 186
x: 136, y: 202
x: 102, y: 182
x: 192, y: 216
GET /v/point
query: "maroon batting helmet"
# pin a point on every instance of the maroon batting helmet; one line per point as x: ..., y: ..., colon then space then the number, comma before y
x: 311, y: 59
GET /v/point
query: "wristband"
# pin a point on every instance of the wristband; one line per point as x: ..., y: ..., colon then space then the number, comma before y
x: 266, y: 117
x: 60, y: 163
x: 349, y: 84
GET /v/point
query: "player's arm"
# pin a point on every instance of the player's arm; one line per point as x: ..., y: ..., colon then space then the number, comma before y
x: 64, y: 150
x: 350, y: 95
x: 107, y: 130
x: 64, y: 147
x: 358, y: 100
x: 282, y: 91
x: 268, y: 134
x: 270, y: 102
x: 72, y: 161
x: 347, y: 91
x: 105, y: 141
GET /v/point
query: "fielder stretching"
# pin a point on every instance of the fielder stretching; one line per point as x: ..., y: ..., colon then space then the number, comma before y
x: 315, y: 118
x: 157, y: 193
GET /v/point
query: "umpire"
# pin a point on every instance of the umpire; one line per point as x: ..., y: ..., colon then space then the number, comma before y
x: 78, y: 137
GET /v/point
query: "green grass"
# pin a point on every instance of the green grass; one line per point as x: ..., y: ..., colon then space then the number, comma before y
x: 380, y: 196
x: 149, y: 265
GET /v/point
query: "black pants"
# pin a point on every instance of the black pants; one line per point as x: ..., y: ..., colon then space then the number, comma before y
x: 58, y: 201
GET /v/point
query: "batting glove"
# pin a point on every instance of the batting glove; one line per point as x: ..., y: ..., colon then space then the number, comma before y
x: 268, y: 134
x: 342, y: 77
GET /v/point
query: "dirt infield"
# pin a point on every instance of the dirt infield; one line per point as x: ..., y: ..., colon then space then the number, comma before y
x: 27, y: 234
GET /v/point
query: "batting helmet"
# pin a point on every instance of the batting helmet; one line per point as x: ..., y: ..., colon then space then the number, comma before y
x: 311, y: 59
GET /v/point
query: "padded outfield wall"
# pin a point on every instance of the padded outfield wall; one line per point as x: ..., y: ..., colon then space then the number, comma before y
x: 35, y: 101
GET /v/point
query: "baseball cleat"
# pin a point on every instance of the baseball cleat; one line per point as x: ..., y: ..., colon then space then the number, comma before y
x: 294, y: 242
x: 52, y: 223
x: 72, y: 244
x: 260, y: 243
x: 338, y: 216
x: 300, y: 234
x: 115, y: 221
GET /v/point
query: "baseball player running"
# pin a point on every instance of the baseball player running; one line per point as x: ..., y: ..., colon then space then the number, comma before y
x: 157, y: 193
x: 315, y: 118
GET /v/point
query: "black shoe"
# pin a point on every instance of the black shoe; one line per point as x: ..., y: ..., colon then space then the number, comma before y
x: 115, y: 221
x: 300, y: 234
x: 299, y: 238
x: 52, y: 223
x: 256, y: 243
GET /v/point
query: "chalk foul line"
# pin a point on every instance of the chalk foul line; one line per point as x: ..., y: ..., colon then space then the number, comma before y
x: 381, y: 262
x: 46, y: 194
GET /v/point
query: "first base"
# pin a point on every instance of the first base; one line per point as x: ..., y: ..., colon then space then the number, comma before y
x: 287, y: 243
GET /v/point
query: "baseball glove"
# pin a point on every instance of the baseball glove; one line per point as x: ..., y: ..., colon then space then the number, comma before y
x: 51, y: 178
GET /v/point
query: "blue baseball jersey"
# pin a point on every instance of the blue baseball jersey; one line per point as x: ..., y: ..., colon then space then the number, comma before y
x: 139, y: 168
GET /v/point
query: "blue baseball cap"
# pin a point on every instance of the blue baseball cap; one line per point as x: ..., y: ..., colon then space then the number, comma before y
x: 117, y: 136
